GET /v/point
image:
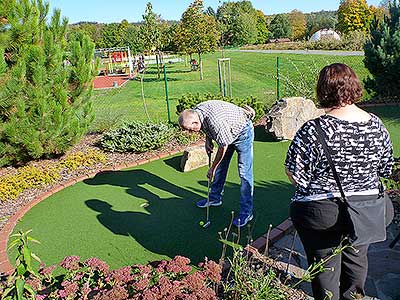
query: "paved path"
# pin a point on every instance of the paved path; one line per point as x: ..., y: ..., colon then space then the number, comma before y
x: 320, y: 52
x: 383, y: 280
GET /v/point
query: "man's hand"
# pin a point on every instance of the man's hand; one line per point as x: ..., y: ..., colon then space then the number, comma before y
x: 211, y: 173
x: 209, y: 146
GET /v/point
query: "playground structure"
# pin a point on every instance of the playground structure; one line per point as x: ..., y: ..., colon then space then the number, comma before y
x: 115, y: 61
x: 224, y: 71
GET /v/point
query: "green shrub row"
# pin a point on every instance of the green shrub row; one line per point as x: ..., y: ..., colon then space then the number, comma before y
x: 31, y: 177
x: 189, y: 101
x: 136, y: 137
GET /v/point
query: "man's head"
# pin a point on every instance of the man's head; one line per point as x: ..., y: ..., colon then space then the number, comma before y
x: 189, y: 120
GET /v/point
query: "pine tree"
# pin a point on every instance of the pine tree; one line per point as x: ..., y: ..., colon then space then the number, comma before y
x: 45, y: 83
x: 382, y: 55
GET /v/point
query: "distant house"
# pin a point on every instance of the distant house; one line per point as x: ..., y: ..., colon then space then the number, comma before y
x: 324, y: 34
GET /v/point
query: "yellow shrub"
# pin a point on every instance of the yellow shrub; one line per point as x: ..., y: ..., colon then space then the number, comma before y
x: 30, y: 177
x: 80, y: 159
x: 26, y: 177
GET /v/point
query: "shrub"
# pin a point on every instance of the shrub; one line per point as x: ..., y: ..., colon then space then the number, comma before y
x: 184, y: 137
x: 79, y: 159
x: 26, y: 177
x: 31, y: 177
x: 92, y: 279
x: 191, y: 100
x: 136, y: 137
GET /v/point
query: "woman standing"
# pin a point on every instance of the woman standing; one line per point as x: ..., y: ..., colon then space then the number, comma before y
x: 361, y: 151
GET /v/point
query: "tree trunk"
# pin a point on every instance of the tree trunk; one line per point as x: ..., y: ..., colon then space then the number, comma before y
x: 158, y: 65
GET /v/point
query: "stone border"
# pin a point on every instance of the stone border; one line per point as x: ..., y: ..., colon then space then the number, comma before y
x: 5, y: 265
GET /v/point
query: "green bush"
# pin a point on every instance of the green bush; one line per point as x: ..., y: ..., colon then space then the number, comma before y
x: 184, y: 137
x: 382, y: 55
x: 136, y: 137
x: 191, y: 100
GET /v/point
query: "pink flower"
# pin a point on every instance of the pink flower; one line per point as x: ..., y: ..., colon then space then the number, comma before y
x: 70, y: 263
x: 97, y: 265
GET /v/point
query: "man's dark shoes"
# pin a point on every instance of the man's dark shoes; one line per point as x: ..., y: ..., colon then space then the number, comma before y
x: 203, y: 203
x: 242, y: 219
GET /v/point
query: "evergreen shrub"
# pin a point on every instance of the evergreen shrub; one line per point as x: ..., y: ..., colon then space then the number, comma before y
x: 382, y: 55
x: 136, y: 137
x: 189, y: 101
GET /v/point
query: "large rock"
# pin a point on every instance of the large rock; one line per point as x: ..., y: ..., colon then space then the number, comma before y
x: 288, y: 115
x: 193, y: 158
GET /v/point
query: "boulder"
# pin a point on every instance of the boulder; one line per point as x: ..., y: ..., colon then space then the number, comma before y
x: 193, y: 158
x: 288, y: 115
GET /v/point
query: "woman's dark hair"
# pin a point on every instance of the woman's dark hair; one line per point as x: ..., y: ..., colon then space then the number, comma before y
x: 337, y: 86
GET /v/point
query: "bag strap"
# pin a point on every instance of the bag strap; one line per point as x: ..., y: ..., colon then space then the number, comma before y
x: 321, y: 136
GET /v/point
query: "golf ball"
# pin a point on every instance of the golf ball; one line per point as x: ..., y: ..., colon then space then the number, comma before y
x: 201, y: 223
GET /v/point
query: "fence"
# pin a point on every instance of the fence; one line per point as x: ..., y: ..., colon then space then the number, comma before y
x: 297, y: 76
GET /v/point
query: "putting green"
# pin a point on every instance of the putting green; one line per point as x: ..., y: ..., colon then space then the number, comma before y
x: 147, y: 213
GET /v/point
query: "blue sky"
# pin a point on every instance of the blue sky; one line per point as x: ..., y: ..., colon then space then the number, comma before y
x: 107, y: 11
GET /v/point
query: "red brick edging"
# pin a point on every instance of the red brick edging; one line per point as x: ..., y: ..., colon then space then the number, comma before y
x: 5, y: 265
x: 275, y: 234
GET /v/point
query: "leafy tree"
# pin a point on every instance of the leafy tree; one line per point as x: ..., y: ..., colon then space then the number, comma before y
x: 320, y: 20
x: 298, y: 21
x: 354, y: 15
x: 197, y: 32
x: 382, y: 54
x: 109, y: 36
x: 92, y: 29
x: 133, y: 39
x: 262, y: 31
x: 168, y: 31
x: 45, y: 83
x: 150, y: 31
x: 280, y: 27
x: 238, y: 23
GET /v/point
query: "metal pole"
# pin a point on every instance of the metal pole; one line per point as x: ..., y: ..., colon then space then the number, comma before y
x: 230, y: 78
x: 220, y: 77
x: 166, y: 93
x: 278, y: 85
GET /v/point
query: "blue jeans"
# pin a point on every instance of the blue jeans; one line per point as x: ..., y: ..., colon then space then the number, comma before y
x: 243, y: 145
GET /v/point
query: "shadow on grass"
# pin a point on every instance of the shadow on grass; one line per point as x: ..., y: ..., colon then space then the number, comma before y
x: 260, y: 135
x: 170, y: 225
x: 390, y: 112
x: 168, y: 72
x: 155, y: 79
x: 174, y: 162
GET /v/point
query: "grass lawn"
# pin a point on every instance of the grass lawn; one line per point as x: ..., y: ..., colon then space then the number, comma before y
x: 147, y: 213
x: 252, y: 74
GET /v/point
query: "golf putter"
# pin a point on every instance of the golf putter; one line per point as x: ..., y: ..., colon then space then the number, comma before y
x: 208, y: 222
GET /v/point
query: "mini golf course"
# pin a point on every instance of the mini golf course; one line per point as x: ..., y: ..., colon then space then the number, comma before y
x: 147, y: 213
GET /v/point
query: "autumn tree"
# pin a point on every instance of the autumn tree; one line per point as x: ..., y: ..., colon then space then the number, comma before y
x: 299, y: 24
x: 354, y: 15
x: 262, y: 31
x: 197, y: 32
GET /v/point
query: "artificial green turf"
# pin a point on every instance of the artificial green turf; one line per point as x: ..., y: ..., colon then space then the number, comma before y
x: 105, y: 217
